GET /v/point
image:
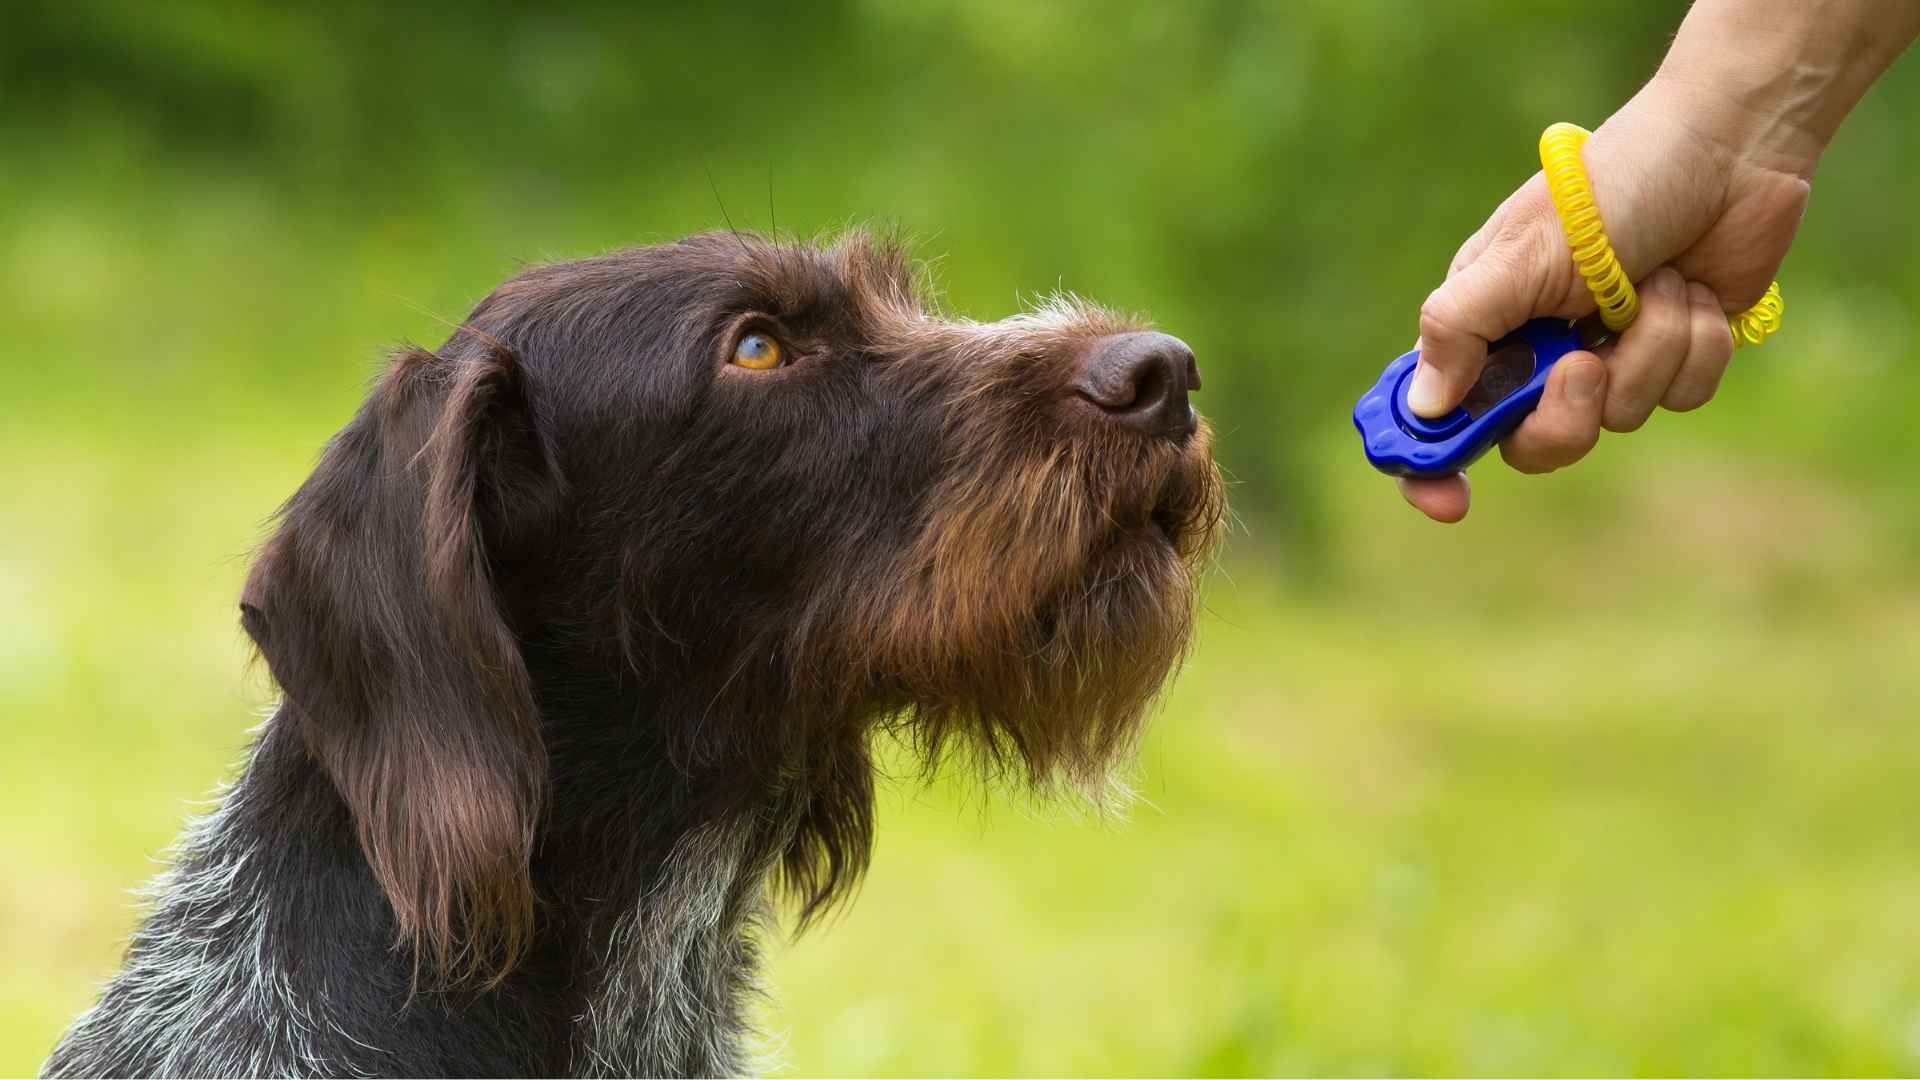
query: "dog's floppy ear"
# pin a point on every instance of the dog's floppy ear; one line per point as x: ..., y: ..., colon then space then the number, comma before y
x: 374, y: 606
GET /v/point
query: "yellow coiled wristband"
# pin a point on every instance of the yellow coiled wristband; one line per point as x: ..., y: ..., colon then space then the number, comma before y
x: 1593, y: 255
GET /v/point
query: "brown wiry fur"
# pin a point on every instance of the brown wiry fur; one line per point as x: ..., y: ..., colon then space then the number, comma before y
x: 584, y: 633
x: 1033, y: 593
x: 373, y: 606
x: 1050, y: 586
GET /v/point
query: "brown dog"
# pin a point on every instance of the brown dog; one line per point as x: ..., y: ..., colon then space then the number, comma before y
x: 583, y: 625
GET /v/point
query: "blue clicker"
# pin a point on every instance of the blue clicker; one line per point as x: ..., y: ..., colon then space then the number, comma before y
x: 1401, y: 444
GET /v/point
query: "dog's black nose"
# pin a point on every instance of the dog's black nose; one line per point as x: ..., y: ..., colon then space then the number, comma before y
x: 1141, y: 380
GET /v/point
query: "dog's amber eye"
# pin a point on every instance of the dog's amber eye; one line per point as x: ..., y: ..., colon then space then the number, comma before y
x: 758, y: 351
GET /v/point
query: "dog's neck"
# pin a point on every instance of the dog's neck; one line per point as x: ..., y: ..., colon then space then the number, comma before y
x: 270, y: 949
x: 661, y: 865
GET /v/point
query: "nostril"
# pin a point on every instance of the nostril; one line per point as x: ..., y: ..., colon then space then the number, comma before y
x: 1150, y: 383
x: 1109, y: 381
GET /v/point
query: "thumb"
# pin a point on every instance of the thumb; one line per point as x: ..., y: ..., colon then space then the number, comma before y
x: 1519, y: 274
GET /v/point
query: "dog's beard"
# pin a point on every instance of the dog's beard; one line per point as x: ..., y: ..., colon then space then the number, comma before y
x: 1047, y: 599
x: 1027, y: 630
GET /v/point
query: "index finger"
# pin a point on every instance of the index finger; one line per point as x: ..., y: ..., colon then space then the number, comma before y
x: 1485, y: 300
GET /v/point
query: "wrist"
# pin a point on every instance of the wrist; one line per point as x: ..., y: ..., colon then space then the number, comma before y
x: 1769, y: 81
x: 1762, y: 113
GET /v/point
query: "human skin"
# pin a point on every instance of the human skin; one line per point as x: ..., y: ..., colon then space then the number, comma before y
x: 1701, y: 179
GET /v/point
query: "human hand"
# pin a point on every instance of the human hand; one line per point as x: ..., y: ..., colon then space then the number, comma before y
x: 1682, y: 185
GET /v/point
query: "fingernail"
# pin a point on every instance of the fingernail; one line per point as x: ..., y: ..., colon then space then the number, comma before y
x: 1583, y: 382
x: 1667, y: 281
x: 1426, y: 395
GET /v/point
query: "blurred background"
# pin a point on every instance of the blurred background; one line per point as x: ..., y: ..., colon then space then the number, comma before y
x: 1622, y: 775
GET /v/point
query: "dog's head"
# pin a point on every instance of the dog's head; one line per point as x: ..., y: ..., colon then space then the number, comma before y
x: 769, y: 476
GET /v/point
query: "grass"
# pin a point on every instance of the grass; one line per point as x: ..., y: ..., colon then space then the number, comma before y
x: 1560, y: 791
x: 1670, y: 845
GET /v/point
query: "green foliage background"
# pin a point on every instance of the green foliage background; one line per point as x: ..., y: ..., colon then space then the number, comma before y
x: 1618, y: 776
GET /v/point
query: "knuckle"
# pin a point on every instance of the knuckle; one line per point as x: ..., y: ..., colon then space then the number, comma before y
x: 1438, y: 327
x: 1540, y: 256
x: 1687, y: 395
x: 1712, y: 341
x: 1438, y: 311
x: 1541, y: 245
x: 1669, y: 320
x: 1746, y: 294
x: 1676, y: 324
x: 1532, y: 212
x: 1624, y: 417
x: 1568, y: 442
x: 1523, y: 461
x: 1718, y: 352
x: 1548, y: 447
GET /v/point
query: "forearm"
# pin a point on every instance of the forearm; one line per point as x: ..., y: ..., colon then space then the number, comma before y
x: 1777, y: 77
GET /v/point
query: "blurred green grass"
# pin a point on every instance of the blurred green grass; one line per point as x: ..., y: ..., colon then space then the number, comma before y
x: 1617, y: 776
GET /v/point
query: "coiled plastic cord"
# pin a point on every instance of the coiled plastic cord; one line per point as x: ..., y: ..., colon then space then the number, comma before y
x: 1593, y: 255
